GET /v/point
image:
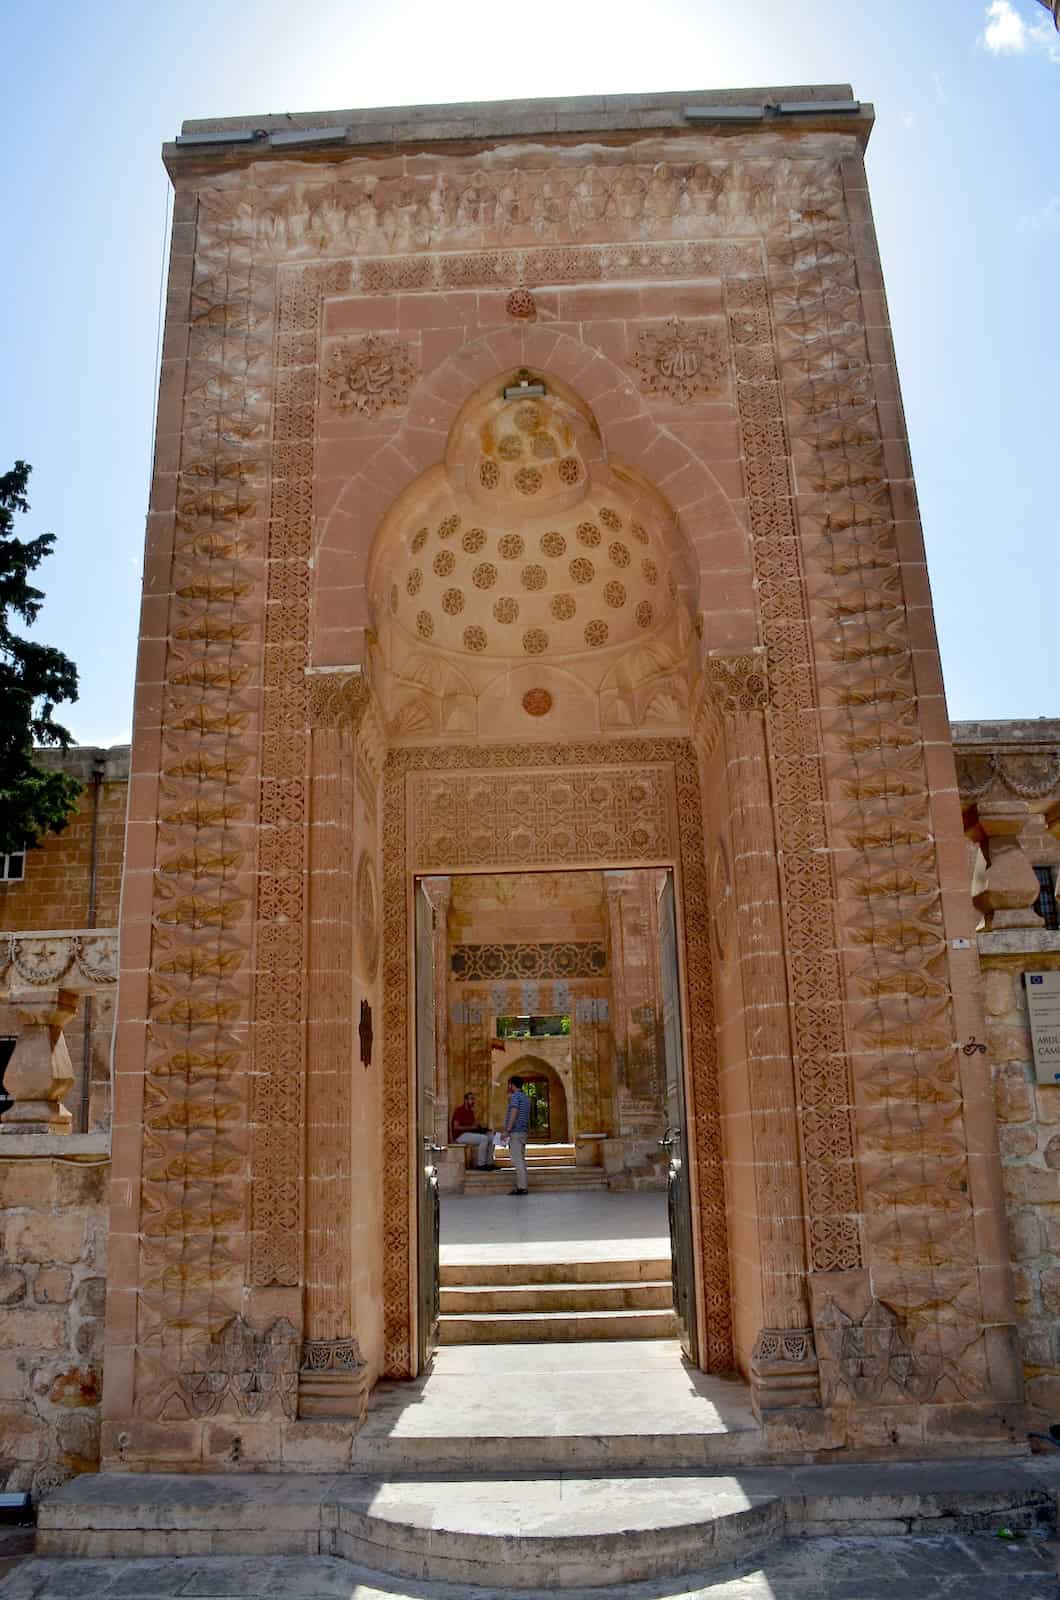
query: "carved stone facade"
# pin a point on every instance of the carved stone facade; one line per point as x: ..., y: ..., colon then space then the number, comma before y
x: 442, y: 581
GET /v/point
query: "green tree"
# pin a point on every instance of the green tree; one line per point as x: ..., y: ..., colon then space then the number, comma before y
x: 34, y: 678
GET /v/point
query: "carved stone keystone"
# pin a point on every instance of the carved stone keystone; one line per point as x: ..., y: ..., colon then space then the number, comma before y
x: 40, y: 1073
x: 1011, y: 885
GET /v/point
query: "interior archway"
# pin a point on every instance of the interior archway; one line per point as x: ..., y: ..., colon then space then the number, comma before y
x: 533, y: 1069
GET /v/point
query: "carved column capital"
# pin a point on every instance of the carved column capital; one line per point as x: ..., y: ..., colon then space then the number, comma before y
x: 333, y: 1379
x: 739, y: 684
x: 784, y: 1370
x: 337, y: 699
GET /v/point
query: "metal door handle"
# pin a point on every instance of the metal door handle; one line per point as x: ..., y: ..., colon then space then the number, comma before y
x: 669, y: 1138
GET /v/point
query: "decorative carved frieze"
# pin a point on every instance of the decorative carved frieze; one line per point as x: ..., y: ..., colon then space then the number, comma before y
x: 277, y: 1139
x: 477, y: 962
x: 193, y: 1166
x: 808, y: 891
x: 80, y: 962
x: 1028, y: 775
x: 696, y: 204
x: 844, y: 668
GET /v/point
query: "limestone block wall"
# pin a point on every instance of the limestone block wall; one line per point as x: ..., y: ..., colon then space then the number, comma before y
x: 1028, y: 1115
x: 53, y: 1227
x: 55, y: 892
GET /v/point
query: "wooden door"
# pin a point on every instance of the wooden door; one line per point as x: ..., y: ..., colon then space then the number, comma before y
x: 428, y: 1296
x: 675, y: 1142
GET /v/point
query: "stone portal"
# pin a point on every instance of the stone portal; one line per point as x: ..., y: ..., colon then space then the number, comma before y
x: 532, y: 494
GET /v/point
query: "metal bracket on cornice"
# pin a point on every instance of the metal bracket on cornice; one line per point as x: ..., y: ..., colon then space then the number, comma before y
x: 782, y: 108
x: 285, y: 139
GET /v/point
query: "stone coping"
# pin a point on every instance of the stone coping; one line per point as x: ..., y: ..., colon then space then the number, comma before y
x: 1019, y: 942
x: 519, y: 119
x: 1019, y: 732
x: 90, y: 1148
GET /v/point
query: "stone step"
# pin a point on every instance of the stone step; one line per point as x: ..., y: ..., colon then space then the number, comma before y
x: 455, y: 1274
x: 547, y: 1327
x: 585, y: 1296
x: 544, y: 1531
x: 553, y: 1180
x: 503, y: 1159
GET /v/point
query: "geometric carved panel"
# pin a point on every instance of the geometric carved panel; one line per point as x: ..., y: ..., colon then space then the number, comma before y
x: 541, y: 818
x: 474, y: 962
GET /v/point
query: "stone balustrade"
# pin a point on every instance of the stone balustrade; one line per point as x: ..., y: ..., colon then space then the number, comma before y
x: 43, y: 976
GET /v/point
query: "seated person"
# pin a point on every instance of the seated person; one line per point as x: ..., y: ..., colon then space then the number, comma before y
x: 466, y: 1129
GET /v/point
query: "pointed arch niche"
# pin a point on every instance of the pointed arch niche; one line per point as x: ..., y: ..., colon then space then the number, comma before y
x: 529, y: 584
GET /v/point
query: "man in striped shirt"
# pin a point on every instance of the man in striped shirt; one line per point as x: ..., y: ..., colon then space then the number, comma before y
x: 516, y: 1129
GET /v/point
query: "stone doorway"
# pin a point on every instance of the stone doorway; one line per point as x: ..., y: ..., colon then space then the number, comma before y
x: 603, y: 807
x: 556, y: 980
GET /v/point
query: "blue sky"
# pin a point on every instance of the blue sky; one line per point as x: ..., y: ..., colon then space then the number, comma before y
x: 963, y: 173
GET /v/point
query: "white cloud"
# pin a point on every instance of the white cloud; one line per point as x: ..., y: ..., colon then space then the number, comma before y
x: 1039, y: 221
x: 1007, y: 34
x: 940, y: 88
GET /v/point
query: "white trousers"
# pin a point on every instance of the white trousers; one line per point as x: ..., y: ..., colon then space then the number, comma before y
x: 485, y: 1143
x: 517, y: 1151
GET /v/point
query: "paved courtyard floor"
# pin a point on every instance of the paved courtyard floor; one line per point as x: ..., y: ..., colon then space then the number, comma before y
x: 597, y: 1226
x: 913, y: 1567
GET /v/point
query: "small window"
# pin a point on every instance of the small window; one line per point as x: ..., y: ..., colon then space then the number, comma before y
x: 13, y: 866
x: 7, y: 1050
x: 1045, y: 905
x: 532, y: 1027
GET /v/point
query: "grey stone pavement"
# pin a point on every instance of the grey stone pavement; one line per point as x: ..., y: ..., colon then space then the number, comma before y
x: 903, y: 1567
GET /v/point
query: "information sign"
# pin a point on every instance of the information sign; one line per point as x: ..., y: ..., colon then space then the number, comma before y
x: 1043, y: 1004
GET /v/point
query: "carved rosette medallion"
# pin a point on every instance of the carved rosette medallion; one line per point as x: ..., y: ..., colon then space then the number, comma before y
x: 683, y: 363
x: 367, y: 376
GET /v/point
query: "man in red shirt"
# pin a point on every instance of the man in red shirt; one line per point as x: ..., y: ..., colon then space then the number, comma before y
x: 466, y: 1129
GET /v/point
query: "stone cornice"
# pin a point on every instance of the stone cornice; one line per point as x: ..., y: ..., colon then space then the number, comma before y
x: 619, y: 118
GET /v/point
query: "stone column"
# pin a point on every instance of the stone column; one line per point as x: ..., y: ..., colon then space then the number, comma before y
x: 40, y: 1073
x: 783, y: 1360
x: 1011, y: 885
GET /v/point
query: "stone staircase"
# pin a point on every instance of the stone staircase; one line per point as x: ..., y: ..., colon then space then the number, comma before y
x: 551, y: 1301
x: 551, y: 1169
